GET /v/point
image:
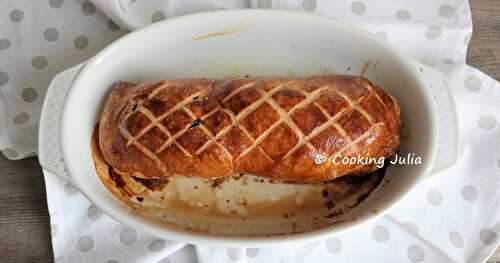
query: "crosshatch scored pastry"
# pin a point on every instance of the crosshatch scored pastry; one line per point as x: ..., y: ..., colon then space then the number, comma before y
x: 272, y: 127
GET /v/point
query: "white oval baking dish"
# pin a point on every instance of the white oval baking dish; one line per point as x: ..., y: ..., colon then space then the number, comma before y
x: 235, y: 43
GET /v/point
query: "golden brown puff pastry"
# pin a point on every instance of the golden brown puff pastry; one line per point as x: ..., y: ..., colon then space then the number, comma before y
x: 273, y: 127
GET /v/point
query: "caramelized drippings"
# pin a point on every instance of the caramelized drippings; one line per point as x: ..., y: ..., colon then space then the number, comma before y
x: 152, y: 184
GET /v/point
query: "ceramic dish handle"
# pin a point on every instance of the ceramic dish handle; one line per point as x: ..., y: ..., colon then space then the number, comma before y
x: 449, y: 145
x: 49, y: 134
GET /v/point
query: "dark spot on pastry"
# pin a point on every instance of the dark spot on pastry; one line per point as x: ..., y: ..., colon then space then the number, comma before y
x: 140, y: 199
x: 157, y: 105
x: 116, y: 178
x: 247, y: 76
x: 217, y: 182
x: 196, y: 97
x: 330, y: 205
x: 227, y: 201
x: 195, y: 123
x: 324, y: 193
x: 195, y: 187
x: 152, y: 184
x: 134, y: 108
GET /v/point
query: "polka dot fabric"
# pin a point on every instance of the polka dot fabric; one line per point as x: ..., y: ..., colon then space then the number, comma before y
x: 452, y: 218
x: 39, y: 39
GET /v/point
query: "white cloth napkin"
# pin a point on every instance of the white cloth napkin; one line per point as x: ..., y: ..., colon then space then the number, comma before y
x: 452, y: 218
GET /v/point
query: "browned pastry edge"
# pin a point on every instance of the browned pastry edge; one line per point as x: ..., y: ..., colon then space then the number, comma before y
x: 273, y: 127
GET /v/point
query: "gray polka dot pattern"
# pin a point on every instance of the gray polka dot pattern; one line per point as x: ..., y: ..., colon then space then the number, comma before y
x: 334, y: 245
x: 88, y: 8
x: 403, y: 14
x: 10, y: 153
x: 21, y: 118
x: 358, y: 8
x: 488, y: 236
x: 434, y: 197
x: 81, y: 42
x: 433, y: 32
x: 16, y: 16
x: 113, y: 26
x: 415, y: 253
x: 4, y: 78
x: 380, y: 233
x: 156, y: 246
x: 264, y: 4
x: 410, y: 227
x: 85, y: 244
x: 93, y: 212
x: 234, y: 254
x: 157, y: 16
x: 487, y: 122
x: 128, y: 236
x: 51, y: 34
x: 29, y: 94
x: 252, y: 252
x: 5, y: 44
x: 470, y: 193
x: 456, y: 239
x: 382, y: 35
x: 39, y: 62
x: 309, y: 5
x: 56, y: 3
x: 70, y: 189
x: 447, y: 11
x: 472, y: 83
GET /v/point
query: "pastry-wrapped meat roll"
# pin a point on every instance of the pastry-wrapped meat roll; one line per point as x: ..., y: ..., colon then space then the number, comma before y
x: 285, y: 128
